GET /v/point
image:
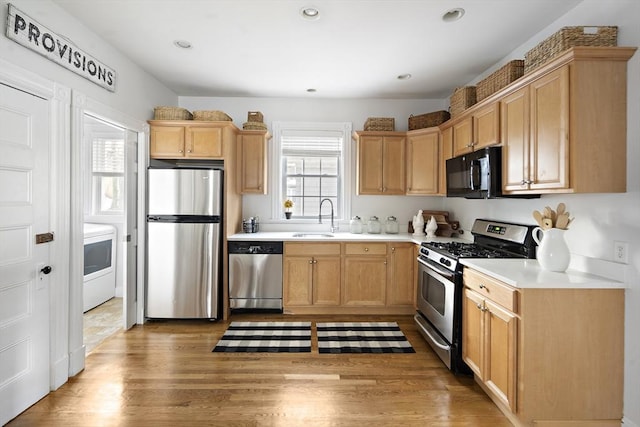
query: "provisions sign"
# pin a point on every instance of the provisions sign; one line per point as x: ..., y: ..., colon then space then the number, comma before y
x: 29, y: 33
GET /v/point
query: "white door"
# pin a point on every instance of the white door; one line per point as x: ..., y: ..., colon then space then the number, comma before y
x: 24, y: 283
x: 131, y: 229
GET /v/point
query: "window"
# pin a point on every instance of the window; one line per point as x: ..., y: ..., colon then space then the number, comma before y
x: 105, y: 192
x: 107, y: 169
x: 313, y: 159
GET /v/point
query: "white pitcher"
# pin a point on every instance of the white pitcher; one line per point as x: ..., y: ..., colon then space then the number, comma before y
x: 553, y: 252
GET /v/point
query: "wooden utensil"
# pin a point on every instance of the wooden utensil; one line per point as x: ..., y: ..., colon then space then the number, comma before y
x: 538, y: 217
x: 563, y: 221
x: 561, y: 208
x: 547, y: 212
x: 547, y: 224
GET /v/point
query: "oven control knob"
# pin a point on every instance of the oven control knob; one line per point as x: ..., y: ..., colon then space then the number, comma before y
x: 445, y: 262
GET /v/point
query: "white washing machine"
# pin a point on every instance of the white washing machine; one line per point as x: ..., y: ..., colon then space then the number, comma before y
x: 99, y: 264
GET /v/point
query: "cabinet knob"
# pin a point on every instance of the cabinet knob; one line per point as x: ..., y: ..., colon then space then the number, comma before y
x: 188, y: 151
x: 393, y: 249
x: 179, y: 151
x: 385, y: 263
x: 384, y: 188
x: 366, y: 249
x: 310, y: 261
x: 482, y: 286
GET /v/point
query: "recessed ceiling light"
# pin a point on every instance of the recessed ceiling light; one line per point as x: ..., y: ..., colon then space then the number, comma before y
x: 453, y: 14
x: 404, y: 76
x: 182, y: 44
x: 310, y: 13
x: 311, y: 90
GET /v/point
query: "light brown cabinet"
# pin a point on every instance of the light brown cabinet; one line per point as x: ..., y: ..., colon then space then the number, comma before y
x: 489, y: 345
x: 349, y: 277
x: 252, y: 158
x: 312, y: 274
x: 563, y: 127
x: 535, y: 129
x: 365, y: 274
x: 534, y: 350
x: 381, y: 162
x: 401, y: 281
x: 423, y: 161
x: 187, y: 139
x: 477, y: 130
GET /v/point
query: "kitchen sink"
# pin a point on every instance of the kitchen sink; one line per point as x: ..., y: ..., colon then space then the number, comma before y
x: 312, y: 235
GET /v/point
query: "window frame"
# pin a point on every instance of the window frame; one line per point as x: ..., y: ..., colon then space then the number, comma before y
x: 278, y: 185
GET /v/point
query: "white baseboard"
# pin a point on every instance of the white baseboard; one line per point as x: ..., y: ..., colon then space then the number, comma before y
x: 628, y: 423
x: 76, y: 361
x: 59, y: 373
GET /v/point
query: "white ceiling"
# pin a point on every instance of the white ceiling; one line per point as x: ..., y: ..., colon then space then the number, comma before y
x: 356, y: 49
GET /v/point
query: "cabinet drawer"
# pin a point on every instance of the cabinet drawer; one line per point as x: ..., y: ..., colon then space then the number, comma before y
x: 492, y: 289
x: 311, y: 249
x: 365, y: 248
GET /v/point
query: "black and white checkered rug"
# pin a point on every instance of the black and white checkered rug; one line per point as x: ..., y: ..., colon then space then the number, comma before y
x: 362, y: 337
x: 269, y: 337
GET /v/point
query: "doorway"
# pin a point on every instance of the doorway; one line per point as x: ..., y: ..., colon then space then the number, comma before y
x: 104, y: 195
x: 104, y: 191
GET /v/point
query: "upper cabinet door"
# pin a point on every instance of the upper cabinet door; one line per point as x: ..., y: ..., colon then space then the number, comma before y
x: 252, y: 152
x: 549, y: 149
x: 370, y: 165
x: 167, y: 142
x: 423, y: 160
x: 486, y: 126
x: 463, y: 137
x: 514, y: 111
x: 204, y: 142
x: 393, y: 165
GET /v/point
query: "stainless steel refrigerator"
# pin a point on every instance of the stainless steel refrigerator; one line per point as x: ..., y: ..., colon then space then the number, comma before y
x: 184, y: 220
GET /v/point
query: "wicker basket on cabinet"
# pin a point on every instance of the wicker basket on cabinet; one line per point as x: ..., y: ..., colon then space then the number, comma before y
x: 566, y: 38
x: 507, y: 74
x: 462, y: 98
x: 171, y: 113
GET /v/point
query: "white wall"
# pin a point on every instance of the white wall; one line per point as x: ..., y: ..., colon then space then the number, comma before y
x: 600, y: 219
x: 136, y: 91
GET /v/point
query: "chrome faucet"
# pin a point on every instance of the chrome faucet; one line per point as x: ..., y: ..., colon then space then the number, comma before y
x: 333, y: 228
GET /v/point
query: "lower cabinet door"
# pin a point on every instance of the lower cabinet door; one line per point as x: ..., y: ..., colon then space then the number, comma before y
x: 501, y: 349
x: 473, y: 331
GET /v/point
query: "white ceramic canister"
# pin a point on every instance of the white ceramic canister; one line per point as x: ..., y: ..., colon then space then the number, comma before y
x: 552, y: 253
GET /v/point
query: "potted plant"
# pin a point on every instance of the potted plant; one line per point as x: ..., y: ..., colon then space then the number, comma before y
x: 288, y: 204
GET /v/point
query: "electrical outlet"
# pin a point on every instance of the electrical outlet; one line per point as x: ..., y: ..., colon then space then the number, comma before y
x: 621, y: 252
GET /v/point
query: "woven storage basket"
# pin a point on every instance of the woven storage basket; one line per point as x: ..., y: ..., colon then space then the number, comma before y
x: 211, y: 116
x: 462, y: 98
x: 250, y: 125
x: 380, y: 123
x: 507, y: 74
x: 255, y: 116
x: 428, y: 120
x: 566, y: 38
x: 171, y: 113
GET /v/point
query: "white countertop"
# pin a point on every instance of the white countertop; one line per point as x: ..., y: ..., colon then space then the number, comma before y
x: 527, y: 273
x: 287, y: 236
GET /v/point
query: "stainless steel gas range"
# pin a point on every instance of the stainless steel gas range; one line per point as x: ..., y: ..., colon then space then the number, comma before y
x: 439, y: 290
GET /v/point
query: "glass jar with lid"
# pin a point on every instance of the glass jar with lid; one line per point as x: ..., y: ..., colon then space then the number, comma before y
x: 355, y: 225
x: 374, y: 226
x: 391, y: 225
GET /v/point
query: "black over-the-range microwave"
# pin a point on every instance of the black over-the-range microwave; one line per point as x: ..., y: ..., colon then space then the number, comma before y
x: 477, y: 175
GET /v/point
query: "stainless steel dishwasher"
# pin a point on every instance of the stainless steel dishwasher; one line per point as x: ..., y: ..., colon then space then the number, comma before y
x: 255, y: 276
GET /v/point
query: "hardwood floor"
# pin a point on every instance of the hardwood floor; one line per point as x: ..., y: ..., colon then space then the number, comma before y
x: 164, y: 374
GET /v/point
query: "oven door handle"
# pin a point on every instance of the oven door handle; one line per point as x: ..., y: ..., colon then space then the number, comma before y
x: 438, y: 270
x: 437, y: 341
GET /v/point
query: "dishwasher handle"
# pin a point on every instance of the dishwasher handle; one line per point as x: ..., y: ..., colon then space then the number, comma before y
x: 255, y: 247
